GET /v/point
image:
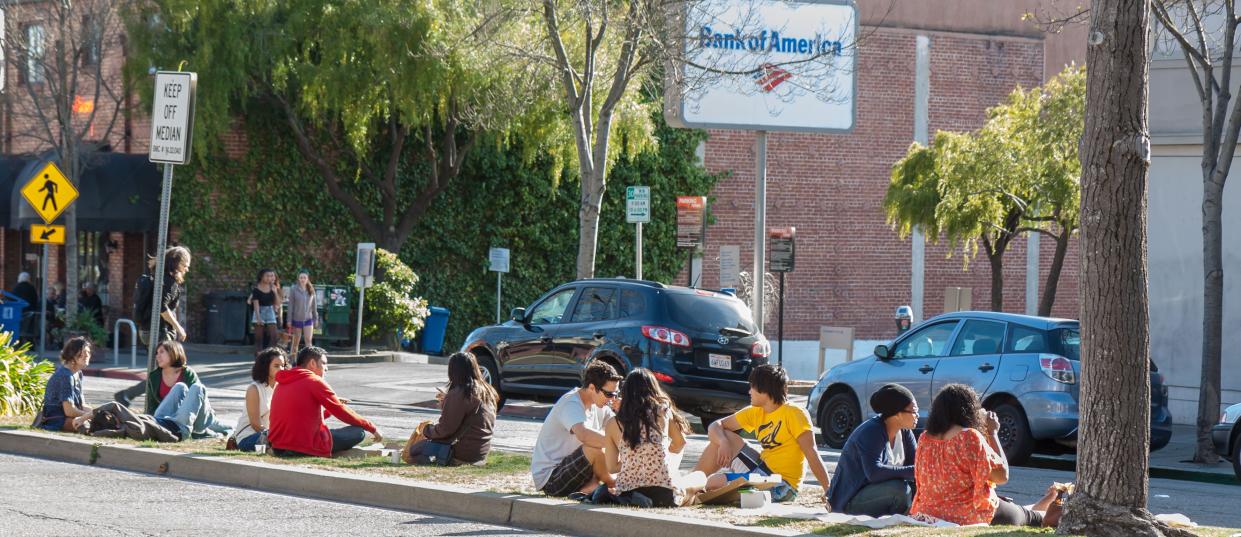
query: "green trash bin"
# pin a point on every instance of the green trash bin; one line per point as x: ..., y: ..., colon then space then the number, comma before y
x: 334, y: 309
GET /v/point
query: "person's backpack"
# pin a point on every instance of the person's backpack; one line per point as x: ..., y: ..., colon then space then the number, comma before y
x: 144, y: 293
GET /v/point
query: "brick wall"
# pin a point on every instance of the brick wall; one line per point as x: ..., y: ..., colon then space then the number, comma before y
x: 852, y: 269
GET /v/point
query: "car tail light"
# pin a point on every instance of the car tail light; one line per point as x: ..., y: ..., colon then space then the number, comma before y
x: 1059, y: 368
x: 666, y: 335
x: 760, y: 348
x: 664, y: 378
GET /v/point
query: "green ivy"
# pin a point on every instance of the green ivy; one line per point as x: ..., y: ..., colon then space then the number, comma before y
x: 274, y: 199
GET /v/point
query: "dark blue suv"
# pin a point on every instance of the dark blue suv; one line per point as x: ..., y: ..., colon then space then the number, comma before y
x: 700, y: 344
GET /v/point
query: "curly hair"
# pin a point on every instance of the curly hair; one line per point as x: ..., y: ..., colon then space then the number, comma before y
x: 72, y: 349
x: 643, y: 408
x: 955, y: 404
x: 262, y: 363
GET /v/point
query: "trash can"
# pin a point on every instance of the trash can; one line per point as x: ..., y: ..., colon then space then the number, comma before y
x: 214, y: 319
x: 433, y: 331
x: 11, y: 308
x: 226, y: 317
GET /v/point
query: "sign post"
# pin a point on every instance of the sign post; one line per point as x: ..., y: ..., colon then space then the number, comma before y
x: 690, y: 222
x: 49, y: 193
x: 172, y: 127
x: 498, y: 262
x: 638, y: 211
x: 782, y: 254
x: 364, y: 276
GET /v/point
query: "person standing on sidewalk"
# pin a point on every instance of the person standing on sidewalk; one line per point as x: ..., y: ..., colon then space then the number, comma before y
x: 63, y: 407
x: 568, y: 455
x: 255, y: 419
x: 266, y: 298
x: 297, y: 410
x: 176, y: 266
x: 303, y: 311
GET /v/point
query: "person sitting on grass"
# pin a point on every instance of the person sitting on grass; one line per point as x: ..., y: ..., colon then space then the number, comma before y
x: 646, y: 429
x: 467, y: 418
x: 568, y: 457
x: 63, y: 405
x: 783, y: 431
x: 875, y: 475
x: 254, y: 421
x: 961, y: 462
x: 170, y: 369
x: 298, y: 406
x: 184, y: 408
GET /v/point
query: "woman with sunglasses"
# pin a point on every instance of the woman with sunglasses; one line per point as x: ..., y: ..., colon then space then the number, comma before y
x: 875, y: 475
x: 254, y: 421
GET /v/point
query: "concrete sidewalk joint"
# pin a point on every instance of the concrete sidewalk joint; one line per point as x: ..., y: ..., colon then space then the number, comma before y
x: 527, y: 512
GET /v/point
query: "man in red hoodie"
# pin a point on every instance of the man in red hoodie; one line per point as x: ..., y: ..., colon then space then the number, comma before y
x: 302, y: 399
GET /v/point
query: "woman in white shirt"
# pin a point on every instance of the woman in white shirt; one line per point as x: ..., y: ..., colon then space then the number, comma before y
x: 253, y: 422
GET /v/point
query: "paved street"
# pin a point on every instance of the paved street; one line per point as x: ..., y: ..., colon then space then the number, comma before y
x: 99, y: 502
x: 398, y: 395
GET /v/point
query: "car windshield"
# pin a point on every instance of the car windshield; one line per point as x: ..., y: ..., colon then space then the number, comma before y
x: 1070, y: 342
x: 705, y: 313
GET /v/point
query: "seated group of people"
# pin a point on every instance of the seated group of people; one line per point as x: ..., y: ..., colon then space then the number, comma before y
x: 611, y: 441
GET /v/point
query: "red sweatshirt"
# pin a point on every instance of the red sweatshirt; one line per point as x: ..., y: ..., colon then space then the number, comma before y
x: 298, y: 405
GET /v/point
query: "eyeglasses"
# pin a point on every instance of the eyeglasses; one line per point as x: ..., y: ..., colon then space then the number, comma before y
x: 611, y: 395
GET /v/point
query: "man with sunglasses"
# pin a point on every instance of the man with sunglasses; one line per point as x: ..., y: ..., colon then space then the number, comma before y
x: 875, y: 475
x: 568, y: 455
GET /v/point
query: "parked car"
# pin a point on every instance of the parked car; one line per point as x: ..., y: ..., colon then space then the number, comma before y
x: 700, y: 344
x: 1024, y: 368
x: 1227, y: 437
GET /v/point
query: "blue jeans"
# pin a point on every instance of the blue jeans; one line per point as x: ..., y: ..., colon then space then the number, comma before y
x: 891, y: 497
x: 347, y: 437
x: 190, y: 409
x: 248, y: 443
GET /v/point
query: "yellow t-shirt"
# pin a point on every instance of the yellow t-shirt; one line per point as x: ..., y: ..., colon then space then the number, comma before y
x: 777, y: 432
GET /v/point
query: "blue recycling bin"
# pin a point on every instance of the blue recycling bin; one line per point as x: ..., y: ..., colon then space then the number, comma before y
x: 11, y: 308
x: 434, y: 329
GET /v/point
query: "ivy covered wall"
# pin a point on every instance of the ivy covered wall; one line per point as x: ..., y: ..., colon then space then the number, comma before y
x: 269, y: 208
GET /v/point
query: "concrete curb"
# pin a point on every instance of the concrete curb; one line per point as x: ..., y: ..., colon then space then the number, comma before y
x: 1156, y: 472
x: 527, y: 512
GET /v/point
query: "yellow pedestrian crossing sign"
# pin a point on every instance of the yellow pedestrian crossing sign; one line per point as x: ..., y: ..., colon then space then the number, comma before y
x: 49, y: 192
x: 41, y: 234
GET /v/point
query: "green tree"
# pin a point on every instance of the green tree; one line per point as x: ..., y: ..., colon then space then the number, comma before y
x: 365, y: 89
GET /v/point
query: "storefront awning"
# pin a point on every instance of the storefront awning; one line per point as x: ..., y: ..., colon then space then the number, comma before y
x: 117, y: 192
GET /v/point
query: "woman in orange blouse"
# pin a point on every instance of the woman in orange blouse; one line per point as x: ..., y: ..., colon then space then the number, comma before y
x: 960, y: 462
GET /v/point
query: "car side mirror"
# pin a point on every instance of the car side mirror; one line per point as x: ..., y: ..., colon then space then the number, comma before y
x: 518, y: 314
x: 883, y: 352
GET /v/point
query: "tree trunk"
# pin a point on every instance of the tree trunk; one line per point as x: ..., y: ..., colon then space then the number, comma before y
x: 1053, y: 274
x: 1114, y: 406
x: 997, y: 280
x: 588, y: 222
x: 1212, y: 318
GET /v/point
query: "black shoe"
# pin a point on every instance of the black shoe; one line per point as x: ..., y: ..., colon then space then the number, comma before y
x: 121, y: 398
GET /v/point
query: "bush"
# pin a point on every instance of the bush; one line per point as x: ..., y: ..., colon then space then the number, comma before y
x: 22, y: 379
x: 83, y: 324
x: 391, y: 306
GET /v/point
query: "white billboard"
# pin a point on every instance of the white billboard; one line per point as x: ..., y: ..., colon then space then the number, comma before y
x: 765, y: 65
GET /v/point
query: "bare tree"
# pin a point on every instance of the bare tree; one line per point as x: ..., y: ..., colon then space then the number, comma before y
x: 69, y: 92
x: 1111, y: 498
x: 1205, y: 31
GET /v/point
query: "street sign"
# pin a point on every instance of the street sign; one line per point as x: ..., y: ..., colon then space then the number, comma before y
x: 638, y: 204
x: 364, y: 272
x: 49, y: 193
x: 730, y: 266
x: 498, y: 258
x: 782, y: 250
x: 40, y: 234
x: 172, y: 117
x: 690, y: 211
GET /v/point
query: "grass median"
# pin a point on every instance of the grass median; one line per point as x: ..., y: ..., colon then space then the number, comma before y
x: 509, y: 473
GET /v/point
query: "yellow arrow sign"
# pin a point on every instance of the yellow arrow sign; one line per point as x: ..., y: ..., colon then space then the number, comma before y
x: 49, y: 193
x: 40, y: 234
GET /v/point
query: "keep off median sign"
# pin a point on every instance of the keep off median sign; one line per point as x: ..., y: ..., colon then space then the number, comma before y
x: 172, y: 117
x: 40, y: 234
x: 49, y: 193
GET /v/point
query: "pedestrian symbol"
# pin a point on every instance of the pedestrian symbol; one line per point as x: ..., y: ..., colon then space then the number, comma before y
x: 49, y: 193
x: 41, y: 234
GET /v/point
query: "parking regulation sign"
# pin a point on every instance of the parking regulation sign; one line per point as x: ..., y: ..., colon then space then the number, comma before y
x: 638, y: 204
x: 498, y: 259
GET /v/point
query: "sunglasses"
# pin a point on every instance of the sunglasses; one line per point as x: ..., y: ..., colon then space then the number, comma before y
x: 611, y: 395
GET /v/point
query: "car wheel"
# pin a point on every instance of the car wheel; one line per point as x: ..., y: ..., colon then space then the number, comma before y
x: 492, y: 375
x: 839, y: 416
x: 1015, y: 435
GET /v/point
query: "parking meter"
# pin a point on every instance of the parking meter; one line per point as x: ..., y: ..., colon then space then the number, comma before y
x: 904, y: 318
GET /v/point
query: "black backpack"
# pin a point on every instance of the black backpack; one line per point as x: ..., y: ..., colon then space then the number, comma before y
x: 144, y: 293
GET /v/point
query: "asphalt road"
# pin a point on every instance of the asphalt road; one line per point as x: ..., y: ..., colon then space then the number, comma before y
x: 68, y: 499
x: 397, y: 396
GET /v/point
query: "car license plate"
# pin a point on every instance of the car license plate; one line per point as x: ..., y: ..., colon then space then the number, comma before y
x: 720, y: 361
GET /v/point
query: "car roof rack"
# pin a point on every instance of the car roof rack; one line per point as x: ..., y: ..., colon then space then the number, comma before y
x: 647, y: 283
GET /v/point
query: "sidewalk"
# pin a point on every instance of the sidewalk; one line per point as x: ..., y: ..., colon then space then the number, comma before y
x: 1171, y: 462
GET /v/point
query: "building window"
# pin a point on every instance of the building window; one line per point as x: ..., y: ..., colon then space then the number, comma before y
x: 35, y: 42
x: 92, y: 42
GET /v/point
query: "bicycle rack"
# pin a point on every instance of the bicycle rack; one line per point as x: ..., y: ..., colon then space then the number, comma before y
x: 116, y: 342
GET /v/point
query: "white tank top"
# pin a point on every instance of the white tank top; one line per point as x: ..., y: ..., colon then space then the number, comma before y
x: 244, y: 428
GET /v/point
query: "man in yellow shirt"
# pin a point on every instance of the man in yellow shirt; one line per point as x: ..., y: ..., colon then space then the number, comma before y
x: 783, y: 431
